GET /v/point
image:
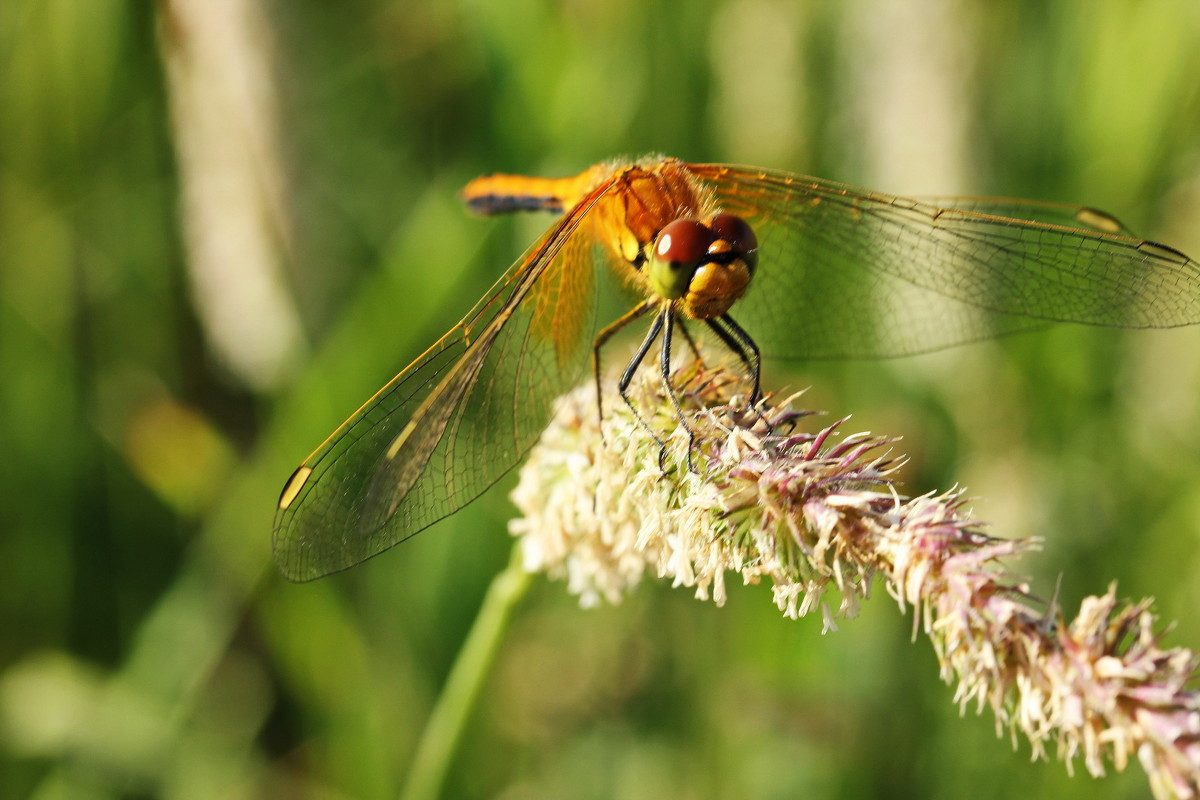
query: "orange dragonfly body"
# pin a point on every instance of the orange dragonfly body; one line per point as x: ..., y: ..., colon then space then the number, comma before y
x: 816, y: 269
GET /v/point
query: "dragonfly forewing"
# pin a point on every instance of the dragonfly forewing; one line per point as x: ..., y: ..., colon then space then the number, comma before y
x: 848, y: 272
x: 455, y: 421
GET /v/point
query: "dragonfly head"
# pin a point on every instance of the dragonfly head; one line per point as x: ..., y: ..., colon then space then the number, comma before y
x: 706, y: 266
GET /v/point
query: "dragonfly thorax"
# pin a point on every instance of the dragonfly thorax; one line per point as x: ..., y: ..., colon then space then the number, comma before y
x: 707, y: 267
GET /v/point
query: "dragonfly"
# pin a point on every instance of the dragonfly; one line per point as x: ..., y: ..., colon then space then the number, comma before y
x: 816, y: 269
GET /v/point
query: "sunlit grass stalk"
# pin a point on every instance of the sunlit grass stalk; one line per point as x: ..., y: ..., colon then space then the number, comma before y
x: 443, y: 732
x: 815, y: 512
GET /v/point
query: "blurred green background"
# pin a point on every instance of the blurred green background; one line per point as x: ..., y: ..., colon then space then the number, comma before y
x: 225, y: 223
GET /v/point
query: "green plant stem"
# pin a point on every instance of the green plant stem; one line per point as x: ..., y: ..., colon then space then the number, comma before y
x: 449, y: 717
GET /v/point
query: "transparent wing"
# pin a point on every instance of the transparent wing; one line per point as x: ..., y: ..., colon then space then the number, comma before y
x: 845, y: 272
x: 455, y: 420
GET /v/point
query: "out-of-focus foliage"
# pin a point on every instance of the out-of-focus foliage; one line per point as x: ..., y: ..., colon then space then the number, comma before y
x: 217, y: 239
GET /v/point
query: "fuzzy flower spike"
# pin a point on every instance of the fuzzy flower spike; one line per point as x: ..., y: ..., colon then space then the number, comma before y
x: 817, y: 515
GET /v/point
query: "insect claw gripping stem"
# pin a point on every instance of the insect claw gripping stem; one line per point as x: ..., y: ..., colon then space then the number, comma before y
x: 631, y: 370
x: 664, y: 324
x: 754, y: 362
x: 668, y: 318
x: 737, y: 340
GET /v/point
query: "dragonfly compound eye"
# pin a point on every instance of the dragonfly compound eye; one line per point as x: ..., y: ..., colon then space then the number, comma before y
x: 735, y: 230
x: 680, y: 247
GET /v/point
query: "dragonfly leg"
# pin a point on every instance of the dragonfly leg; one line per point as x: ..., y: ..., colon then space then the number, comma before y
x: 607, y: 333
x: 627, y: 377
x: 737, y: 340
x: 668, y: 319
